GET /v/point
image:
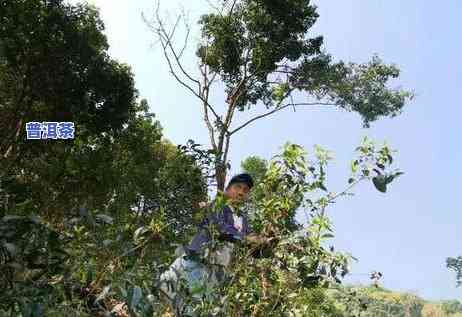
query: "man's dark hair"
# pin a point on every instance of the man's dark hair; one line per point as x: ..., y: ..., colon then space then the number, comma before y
x: 241, y: 178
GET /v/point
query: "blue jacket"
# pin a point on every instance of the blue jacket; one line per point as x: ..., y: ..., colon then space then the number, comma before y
x: 225, y: 225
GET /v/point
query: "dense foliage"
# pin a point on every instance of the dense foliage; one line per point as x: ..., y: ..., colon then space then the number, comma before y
x: 297, y: 264
x: 54, y: 65
x: 78, y: 215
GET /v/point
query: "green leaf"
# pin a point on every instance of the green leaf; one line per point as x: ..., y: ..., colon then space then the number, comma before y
x: 321, y: 185
x: 380, y: 183
x: 391, y: 177
x: 354, y: 166
x: 390, y: 158
x: 397, y: 174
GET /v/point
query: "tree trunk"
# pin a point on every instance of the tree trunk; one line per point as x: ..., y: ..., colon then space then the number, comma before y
x: 220, y: 172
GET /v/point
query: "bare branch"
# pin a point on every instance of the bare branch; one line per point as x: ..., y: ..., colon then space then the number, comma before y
x: 207, y: 120
x: 292, y: 102
x: 186, y: 39
x: 290, y: 95
x: 345, y: 191
x: 227, y: 142
x: 220, y: 11
x: 210, y: 127
x: 172, y: 71
x: 212, y: 80
x: 232, y: 7
x: 172, y: 32
x: 205, y: 95
x: 276, y: 110
x: 232, y: 101
x: 165, y: 39
x: 161, y: 31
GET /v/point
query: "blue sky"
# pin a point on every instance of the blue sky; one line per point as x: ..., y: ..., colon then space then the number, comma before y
x: 408, y: 232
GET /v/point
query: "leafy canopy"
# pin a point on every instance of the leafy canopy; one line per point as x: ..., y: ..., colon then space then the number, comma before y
x: 264, y: 45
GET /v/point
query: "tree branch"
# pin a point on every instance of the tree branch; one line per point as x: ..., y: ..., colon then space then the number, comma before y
x: 232, y: 7
x: 205, y: 94
x: 227, y: 142
x: 186, y: 39
x: 161, y: 31
x: 276, y: 110
x: 220, y: 12
x: 166, y: 43
x: 232, y: 100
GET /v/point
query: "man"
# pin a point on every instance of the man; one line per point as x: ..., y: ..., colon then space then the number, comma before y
x: 200, y: 276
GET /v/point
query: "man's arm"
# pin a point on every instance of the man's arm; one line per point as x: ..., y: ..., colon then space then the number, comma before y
x: 227, y: 231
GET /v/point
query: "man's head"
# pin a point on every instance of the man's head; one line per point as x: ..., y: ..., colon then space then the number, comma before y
x: 239, y: 187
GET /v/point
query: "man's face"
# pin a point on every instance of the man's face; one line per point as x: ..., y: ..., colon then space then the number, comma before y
x: 238, y: 192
